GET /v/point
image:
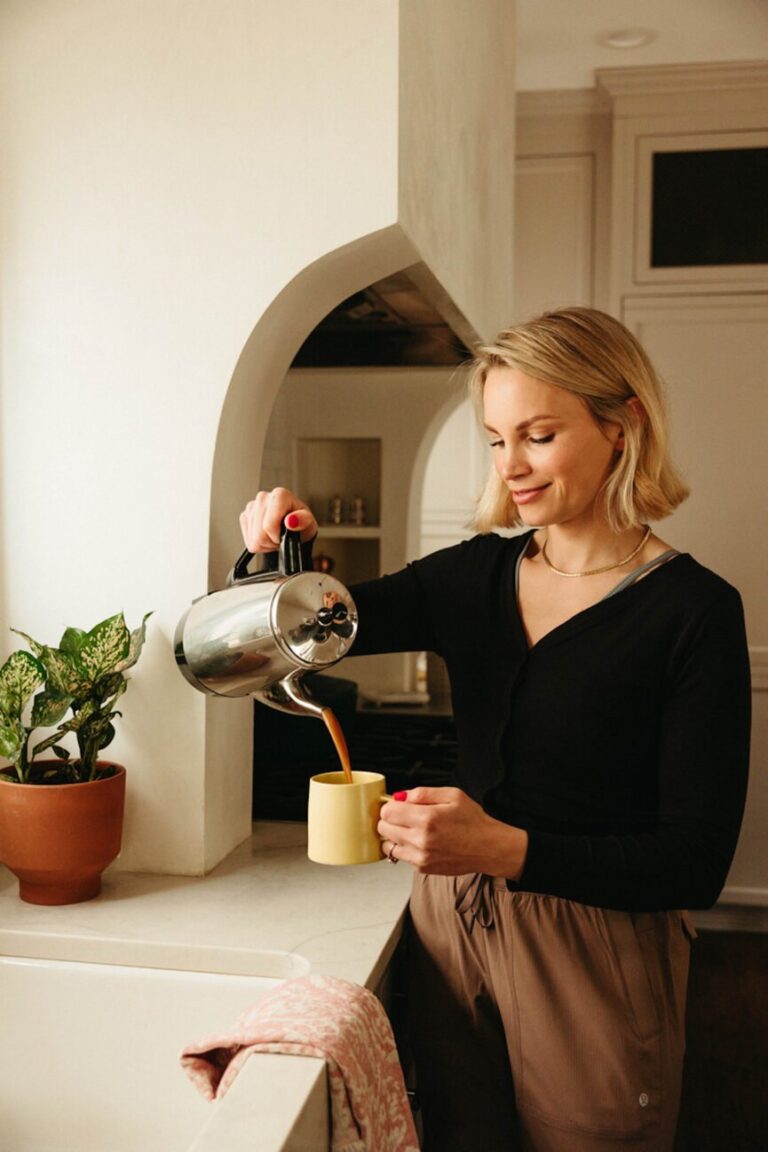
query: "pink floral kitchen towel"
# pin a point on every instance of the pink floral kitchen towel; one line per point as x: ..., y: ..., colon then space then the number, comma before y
x: 339, y: 1022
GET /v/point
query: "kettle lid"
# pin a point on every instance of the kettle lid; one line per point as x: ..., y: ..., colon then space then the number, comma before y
x: 313, y: 618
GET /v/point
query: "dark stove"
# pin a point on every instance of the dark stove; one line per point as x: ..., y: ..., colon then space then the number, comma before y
x: 407, y: 749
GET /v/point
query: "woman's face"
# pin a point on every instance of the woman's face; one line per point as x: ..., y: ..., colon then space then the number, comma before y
x: 547, y: 447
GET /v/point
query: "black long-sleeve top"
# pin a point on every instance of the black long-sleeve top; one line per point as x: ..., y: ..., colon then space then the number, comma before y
x: 619, y: 741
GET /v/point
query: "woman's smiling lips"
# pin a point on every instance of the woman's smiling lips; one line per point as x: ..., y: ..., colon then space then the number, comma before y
x: 523, y: 495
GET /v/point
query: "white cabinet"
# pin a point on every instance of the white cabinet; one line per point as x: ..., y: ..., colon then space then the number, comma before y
x: 712, y: 352
x: 682, y: 112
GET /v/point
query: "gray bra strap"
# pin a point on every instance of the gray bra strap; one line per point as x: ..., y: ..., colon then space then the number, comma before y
x: 625, y: 583
x: 517, y: 571
x: 638, y: 572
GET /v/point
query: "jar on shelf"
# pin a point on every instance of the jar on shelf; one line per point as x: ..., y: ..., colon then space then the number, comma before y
x: 335, y: 510
x: 357, y: 511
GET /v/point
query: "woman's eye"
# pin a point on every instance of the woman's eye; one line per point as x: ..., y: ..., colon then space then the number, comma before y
x: 496, y: 444
x: 543, y: 439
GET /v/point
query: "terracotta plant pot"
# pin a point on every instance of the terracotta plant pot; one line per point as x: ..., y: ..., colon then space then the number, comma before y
x: 59, y: 838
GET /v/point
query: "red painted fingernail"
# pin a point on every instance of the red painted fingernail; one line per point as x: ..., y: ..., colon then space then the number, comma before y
x: 399, y: 795
x: 292, y: 521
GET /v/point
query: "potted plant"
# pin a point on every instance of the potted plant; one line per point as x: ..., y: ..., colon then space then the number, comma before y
x: 61, y: 819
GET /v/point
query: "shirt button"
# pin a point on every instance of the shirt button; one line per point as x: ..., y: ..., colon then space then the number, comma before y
x: 643, y: 1100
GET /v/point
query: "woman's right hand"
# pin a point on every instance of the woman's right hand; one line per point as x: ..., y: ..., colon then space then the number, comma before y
x: 262, y: 519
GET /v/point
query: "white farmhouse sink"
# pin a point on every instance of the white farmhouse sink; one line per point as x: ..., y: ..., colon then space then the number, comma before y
x: 90, y: 1055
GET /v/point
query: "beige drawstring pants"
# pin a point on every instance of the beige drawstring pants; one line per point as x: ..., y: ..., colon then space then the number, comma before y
x: 543, y: 1025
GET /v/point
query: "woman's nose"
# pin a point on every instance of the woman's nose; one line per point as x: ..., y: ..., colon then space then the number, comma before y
x: 513, y: 463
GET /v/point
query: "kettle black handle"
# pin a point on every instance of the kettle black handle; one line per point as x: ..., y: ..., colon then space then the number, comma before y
x: 240, y: 570
x: 289, y: 556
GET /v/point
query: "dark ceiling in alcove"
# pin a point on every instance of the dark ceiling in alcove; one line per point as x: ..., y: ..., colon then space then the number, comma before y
x: 389, y: 323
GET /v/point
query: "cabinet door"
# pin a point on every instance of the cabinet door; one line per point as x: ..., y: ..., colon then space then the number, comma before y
x: 712, y: 353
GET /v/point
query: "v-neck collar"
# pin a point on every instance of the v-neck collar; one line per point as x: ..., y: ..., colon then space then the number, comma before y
x: 586, y: 618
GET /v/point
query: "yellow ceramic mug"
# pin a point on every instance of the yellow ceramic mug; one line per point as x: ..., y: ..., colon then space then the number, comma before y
x: 342, y: 818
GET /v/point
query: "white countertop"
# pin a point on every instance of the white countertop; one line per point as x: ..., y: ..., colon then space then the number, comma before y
x: 265, y: 910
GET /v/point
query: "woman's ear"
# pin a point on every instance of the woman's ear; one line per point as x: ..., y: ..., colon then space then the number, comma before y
x: 637, y: 413
x: 635, y: 406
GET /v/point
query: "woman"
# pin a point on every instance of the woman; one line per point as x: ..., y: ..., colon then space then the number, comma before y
x: 600, y: 688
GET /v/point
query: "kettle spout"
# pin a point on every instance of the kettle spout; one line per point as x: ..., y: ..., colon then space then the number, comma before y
x: 290, y: 695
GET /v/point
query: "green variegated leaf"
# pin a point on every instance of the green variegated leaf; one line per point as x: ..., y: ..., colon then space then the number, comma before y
x: 44, y: 745
x: 71, y: 641
x: 118, y: 693
x: 6, y: 704
x: 137, y: 643
x: 108, y: 734
x: 104, y: 647
x: 19, y: 677
x: 49, y: 708
x: 81, y: 717
x: 11, y: 741
x: 112, y: 685
x: 74, y: 724
x: 95, y: 725
x: 36, y: 648
x: 61, y: 752
x: 63, y: 676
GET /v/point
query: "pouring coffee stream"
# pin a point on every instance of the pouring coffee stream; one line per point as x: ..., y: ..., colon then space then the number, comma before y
x: 260, y: 634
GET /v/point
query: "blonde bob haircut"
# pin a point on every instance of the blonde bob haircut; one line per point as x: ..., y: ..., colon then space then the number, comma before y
x: 592, y: 355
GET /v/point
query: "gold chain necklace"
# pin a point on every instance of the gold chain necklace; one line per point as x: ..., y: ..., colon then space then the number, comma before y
x: 597, y: 571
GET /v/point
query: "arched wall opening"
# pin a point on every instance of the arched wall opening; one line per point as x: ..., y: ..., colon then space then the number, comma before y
x: 236, y: 473
x: 438, y: 461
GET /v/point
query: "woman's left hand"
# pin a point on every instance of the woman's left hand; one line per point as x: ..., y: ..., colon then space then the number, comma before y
x: 444, y: 832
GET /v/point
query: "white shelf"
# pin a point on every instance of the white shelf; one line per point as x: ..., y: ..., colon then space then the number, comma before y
x: 343, y: 467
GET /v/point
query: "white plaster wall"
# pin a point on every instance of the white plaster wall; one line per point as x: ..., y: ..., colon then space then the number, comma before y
x: 186, y: 188
x: 457, y: 148
x: 167, y: 168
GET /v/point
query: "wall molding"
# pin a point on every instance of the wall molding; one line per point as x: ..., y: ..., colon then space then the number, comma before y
x: 758, y: 662
x: 742, y: 895
x: 720, y: 76
x: 716, y: 90
x: 560, y: 102
x: 733, y: 917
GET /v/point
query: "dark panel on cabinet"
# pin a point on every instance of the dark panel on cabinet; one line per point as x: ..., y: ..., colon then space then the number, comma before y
x: 710, y: 208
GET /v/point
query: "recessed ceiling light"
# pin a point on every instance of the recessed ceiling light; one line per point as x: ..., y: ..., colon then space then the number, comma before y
x: 627, y: 38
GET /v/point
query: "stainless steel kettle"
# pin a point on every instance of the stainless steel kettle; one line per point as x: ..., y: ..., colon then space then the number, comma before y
x: 262, y: 632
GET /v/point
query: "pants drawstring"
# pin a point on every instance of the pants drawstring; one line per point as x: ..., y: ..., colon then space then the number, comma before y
x: 474, y: 896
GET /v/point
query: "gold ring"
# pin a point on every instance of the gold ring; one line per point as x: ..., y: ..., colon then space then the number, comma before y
x: 391, y: 855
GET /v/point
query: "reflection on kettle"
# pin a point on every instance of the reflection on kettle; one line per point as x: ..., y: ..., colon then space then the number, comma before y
x: 259, y: 635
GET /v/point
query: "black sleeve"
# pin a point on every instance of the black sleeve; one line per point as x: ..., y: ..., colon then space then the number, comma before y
x: 394, y: 613
x: 702, y: 783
